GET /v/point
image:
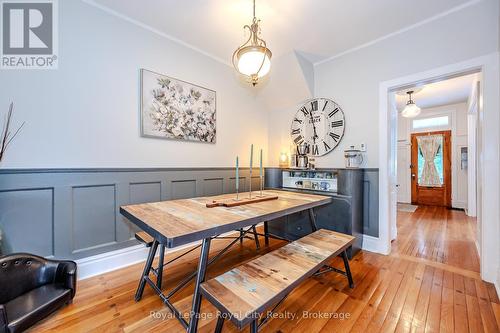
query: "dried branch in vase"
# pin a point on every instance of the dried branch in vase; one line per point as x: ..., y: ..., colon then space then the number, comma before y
x: 7, y: 136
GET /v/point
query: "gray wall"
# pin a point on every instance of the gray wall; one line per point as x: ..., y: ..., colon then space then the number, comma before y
x: 75, y: 213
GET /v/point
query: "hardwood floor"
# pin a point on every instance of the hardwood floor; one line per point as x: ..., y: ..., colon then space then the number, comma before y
x: 430, y: 283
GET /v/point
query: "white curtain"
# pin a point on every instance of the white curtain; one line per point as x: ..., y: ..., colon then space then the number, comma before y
x: 429, y: 146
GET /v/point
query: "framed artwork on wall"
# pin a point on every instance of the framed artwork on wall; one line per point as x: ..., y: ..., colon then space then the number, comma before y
x: 175, y: 109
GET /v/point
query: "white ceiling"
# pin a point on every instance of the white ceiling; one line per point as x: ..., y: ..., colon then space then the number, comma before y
x: 452, y: 91
x: 318, y: 29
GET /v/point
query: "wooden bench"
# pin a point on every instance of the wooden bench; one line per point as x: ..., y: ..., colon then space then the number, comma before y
x: 145, y: 238
x: 245, y: 292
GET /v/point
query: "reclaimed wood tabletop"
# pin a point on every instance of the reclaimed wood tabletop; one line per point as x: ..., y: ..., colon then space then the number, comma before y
x: 179, y: 222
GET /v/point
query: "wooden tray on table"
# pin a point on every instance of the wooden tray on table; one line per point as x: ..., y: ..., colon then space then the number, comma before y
x: 234, y: 202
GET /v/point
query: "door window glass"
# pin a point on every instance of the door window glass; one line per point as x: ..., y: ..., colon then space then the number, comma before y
x: 430, y: 160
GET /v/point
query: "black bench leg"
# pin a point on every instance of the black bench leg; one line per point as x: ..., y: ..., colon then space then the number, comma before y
x: 220, y: 324
x: 147, y: 268
x: 254, y: 326
x: 241, y: 236
x: 347, y: 269
x: 257, y: 243
x: 159, y: 271
x: 266, y: 233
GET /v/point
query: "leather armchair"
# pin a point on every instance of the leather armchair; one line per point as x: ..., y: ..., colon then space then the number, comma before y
x: 33, y: 287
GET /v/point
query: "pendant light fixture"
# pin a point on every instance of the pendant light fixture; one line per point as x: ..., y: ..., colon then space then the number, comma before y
x: 253, y: 59
x: 411, y: 109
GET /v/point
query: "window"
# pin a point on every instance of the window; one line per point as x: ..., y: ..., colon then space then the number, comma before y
x: 442, y: 121
x: 430, y: 148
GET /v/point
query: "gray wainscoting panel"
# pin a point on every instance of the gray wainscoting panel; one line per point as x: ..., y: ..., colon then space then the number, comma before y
x: 145, y: 192
x: 94, y: 217
x: 255, y: 182
x: 141, y: 193
x: 370, y: 202
x: 213, y: 186
x: 182, y: 189
x: 74, y: 213
x: 231, y: 184
x: 27, y: 221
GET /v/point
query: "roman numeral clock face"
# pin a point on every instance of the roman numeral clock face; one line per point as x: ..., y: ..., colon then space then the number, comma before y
x: 320, y: 123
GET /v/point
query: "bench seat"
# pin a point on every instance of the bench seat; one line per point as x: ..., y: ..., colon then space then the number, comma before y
x: 244, y: 292
x: 145, y: 238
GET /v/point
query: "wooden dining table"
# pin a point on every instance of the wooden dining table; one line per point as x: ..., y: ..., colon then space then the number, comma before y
x: 174, y: 223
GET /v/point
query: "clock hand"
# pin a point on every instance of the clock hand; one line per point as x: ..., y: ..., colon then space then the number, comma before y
x: 314, y: 128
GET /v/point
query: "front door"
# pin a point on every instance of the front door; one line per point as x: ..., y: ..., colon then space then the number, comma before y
x: 431, y: 168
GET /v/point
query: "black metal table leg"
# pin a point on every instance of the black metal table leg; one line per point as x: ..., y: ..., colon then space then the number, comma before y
x: 147, y: 268
x: 312, y: 220
x: 241, y: 236
x: 159, y: 273
x: 266, y: 233
x: 347, y: 269
x: 220, y: 324
x: 254, y: 327
x: 200, y: 278
x: 256, y: 236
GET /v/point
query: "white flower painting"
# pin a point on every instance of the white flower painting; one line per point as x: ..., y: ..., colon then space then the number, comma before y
x: 174, y: 109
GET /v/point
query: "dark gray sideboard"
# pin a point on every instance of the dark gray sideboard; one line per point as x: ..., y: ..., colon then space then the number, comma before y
x: 354, y: 208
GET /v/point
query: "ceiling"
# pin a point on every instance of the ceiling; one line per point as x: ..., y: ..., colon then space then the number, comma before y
x: 451, y: 91
x: 318, y: 29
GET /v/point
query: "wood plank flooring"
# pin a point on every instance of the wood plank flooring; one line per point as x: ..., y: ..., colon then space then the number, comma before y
x: 430, y: 283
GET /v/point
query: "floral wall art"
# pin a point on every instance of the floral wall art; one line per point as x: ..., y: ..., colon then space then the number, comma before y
x: 174, y: 109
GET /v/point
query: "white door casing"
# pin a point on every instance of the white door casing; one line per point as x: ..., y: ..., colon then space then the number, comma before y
x: 488, y: 148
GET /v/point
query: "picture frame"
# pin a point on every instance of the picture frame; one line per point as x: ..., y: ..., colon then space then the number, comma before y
x: 174, y: 109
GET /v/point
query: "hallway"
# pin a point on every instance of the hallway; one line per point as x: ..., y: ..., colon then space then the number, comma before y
x: 438, y: 235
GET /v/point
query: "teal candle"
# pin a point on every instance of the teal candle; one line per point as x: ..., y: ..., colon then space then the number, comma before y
x: 237, y: 175
x: 251, y: 158
x: 261, y: 163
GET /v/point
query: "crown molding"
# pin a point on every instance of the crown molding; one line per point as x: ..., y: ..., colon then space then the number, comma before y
x: 398, y: 32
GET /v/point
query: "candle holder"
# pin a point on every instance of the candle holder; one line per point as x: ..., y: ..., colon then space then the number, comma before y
x: 261, y: 186
x: 250, y: 186
x: 237, y: 194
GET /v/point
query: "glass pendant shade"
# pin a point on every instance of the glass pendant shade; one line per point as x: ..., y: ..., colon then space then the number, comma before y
x: 411, y: 110
x: 254, y: 60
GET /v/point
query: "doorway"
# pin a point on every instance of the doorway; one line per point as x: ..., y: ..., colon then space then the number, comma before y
x: 431, y: 168
x: 488, y: 137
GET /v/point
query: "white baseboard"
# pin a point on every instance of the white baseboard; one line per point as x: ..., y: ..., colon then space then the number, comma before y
x: 459, y: 204
x: 110, y: 261
x: 113, y: 260
x: 372, y: 244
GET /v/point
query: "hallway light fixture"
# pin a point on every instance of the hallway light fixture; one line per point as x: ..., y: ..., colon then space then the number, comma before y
x: 253, y: 59
x: 411, y: 109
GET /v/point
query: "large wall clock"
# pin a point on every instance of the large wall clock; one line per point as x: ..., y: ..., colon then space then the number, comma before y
x: 320, y: 123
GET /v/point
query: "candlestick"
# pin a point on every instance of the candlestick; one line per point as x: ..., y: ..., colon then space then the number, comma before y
x: 251, y: 162
x: 261, y: 162
x: 261, y: 173
x: 237, y: 178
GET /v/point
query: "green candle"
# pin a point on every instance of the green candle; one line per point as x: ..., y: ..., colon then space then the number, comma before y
x: 251, y: 157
